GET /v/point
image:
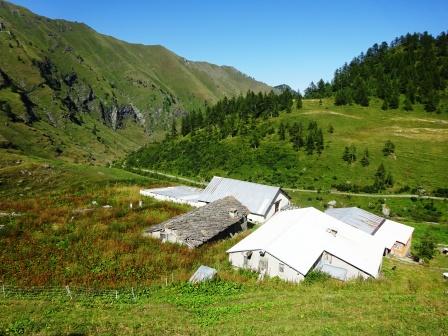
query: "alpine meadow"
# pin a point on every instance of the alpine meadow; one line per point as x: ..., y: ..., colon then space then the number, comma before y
x: 145, y: 193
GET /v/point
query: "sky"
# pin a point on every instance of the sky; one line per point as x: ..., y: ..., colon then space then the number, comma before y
x: 291, y: 42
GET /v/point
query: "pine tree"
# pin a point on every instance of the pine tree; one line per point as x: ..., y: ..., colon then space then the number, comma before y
x: 346, y: 155
x: 365, y: 158
x: 360, y: 92
x: 309, y: 144
x: 352, y: 153
x: 282, y: 132
x: 319, y: 141
x: 299, y: 102
x: 407, y: 104
x: 380, y: 178
x: 389, y: 148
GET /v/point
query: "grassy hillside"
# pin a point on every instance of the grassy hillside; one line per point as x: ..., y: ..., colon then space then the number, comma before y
x: 419, y: 161
x: 61, y: 81
x: 61, y: 235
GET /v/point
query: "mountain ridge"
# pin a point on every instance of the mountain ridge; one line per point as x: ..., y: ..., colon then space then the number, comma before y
x: 57, y: 74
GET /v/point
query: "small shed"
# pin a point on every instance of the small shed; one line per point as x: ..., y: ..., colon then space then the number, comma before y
x: 217, y: 220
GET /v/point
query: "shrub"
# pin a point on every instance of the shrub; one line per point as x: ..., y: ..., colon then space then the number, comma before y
x: 316, y: 276
x: 426, y: 249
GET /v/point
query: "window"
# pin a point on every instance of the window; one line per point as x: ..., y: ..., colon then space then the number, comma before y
x: 281, y: 267
x: 277, y: 206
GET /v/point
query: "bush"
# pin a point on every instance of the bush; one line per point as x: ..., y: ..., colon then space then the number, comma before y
x: 316, y: 276
x: 426, y: 249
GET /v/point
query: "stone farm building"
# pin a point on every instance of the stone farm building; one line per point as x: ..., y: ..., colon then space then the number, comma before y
x: 217, y: 220
x: 263, y: 201
x: 396, y: 237
x: 296, y: 242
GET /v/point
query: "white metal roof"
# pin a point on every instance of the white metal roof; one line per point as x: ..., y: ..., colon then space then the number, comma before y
x: 391, y: 232
x: 358, y: 218
x: 298, y: 238
x: 256, y: 197
x: 382, y: 229
x: 178, y: 192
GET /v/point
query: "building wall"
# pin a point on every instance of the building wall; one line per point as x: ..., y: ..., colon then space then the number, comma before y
x: 258, y: 219
x: 284, y: 201
x: 400, y: 249
x: 271, y: 263
x: 169, y: 236
x: 329, y: 259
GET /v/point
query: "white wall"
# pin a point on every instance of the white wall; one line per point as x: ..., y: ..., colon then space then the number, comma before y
x: 284, y: 201
x: 273, y: 265
x: 329, y: 259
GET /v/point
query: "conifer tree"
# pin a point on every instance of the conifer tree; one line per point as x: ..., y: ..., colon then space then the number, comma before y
x: 365, y: 161
x: 282, y: 132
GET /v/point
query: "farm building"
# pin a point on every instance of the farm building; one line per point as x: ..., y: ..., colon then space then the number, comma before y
x: 263, y: 201
x: 396, y: 237
x: 295, y: 242
x: 178, y: 194
x: 214, y: 221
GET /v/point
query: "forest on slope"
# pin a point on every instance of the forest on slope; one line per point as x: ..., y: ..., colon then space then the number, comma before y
x: 414, y: 66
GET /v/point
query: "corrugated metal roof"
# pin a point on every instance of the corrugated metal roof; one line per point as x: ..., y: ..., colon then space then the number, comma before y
x: 382, y: 229
x: 256, y: 197
x: 359, y: 218
x: 178, y: 192
x: 299, y: 237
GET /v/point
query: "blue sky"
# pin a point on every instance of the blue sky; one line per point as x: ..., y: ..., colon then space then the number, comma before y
x: 292, y: 42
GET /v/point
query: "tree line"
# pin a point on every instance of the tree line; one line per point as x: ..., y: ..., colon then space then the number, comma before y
x: 414, y: 66
x: 233, y: 115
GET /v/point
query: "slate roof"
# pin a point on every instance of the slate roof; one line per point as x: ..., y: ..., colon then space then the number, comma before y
x: 203, y: 224
x: 256, y: 197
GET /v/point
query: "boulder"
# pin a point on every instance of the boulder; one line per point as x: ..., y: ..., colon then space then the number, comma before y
x: 203, y: 273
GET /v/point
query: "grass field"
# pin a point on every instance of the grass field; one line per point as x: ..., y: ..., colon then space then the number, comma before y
x: 63, y: 238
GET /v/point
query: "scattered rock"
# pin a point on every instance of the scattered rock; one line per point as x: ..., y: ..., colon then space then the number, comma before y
x: 203, y: 273
x: 332, y: 204
x: 386, y: 210
x: 82, y: 211
x: 94, y: 203
x: 107, y: 206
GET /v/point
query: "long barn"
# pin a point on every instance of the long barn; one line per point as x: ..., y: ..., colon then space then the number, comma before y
x: 296, y: 242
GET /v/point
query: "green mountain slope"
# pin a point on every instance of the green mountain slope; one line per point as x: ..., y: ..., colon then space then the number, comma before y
x: 262, y: 152
x: 69, y: 91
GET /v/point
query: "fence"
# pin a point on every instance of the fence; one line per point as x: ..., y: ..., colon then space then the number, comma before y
x: 67, y: 293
